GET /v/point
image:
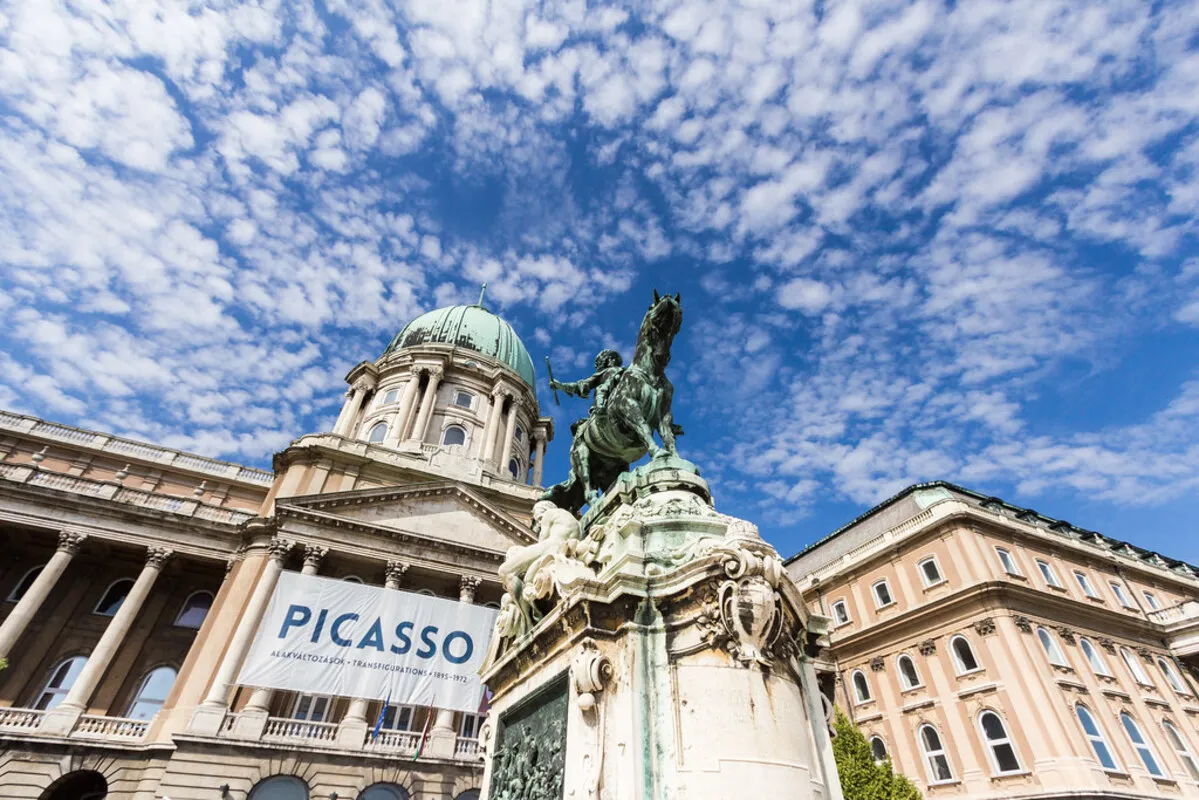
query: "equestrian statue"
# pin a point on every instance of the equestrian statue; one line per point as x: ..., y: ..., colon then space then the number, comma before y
x: 631, y: 404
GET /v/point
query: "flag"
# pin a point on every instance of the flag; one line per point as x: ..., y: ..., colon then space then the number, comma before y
x: 484, y: 702
x: 379, y: 721
x: 424, y: 735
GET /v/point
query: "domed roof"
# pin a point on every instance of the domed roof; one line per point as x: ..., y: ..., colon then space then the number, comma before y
x: 472, y: 327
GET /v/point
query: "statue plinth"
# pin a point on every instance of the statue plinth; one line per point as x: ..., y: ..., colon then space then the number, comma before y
x: 670, y: 658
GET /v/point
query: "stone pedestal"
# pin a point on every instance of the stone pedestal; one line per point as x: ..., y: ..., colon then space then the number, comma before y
x: 668, y: 658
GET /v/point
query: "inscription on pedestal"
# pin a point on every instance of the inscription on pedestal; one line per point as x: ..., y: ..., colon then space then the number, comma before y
x: 530, y: 748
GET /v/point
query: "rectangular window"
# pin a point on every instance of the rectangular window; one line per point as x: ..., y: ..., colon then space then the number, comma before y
x: 398, y: 718
x: 1085, y: 583
x: 841, y: 612
x: 930, y: 573
x: 469, y: 729
x: 1049, y: 574
x: 463, y: 399
x: 311, y: 708
x: 1121, y: 595
x: 1151, y: 599
x: 1009, y: 563
x: 882, y: 594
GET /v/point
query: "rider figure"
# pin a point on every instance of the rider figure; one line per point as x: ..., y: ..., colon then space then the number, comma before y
x: 608, y: 369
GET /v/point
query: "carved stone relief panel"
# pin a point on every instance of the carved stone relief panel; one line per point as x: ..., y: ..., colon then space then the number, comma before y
x: 530, y: 749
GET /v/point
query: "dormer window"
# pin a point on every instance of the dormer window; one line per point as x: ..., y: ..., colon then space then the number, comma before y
x: 463, y: 399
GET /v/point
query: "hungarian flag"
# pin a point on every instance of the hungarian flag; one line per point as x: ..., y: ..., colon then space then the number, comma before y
x: 424, y: 735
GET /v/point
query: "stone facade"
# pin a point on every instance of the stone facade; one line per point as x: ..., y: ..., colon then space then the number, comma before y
x: 135, y: 576
x: 969, y: 633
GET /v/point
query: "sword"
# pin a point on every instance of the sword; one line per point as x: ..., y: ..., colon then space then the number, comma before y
x: 550, y: 370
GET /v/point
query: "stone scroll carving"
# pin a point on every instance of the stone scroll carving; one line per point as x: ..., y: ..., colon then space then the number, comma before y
x: 748, y: 602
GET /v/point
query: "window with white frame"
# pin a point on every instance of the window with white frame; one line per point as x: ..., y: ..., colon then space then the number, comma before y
x: 1172, y: 676
x: 1052, y: 650
x: 1141, y: 745
x: 453, y: 435
x: 1151, y: 600
x: 23, y: 585
x: 878, y: 749
x: 1121, y: 596
x: 398, y: 717
x: 195, y: 609
x: 1085, y: 583
x: 62, y: 678
x: 935, y: 758
x: 930, y: 571
x: 378, y: 433
x: 1103, y: 752
x: 861, y: 687
x: 463, y: 399
x: 1003, y: 752
x: 152, y: 693
x: 882, y: 594
x: 310, y: 707
x: 1181, y: 748
x: 841, y: 612
x: 1007, y: 561
x: 388, y: 397
x: 1049, y: 574
x: 908, y: 676
x: 114, y: 597
x: 470, y: 725
x: 1135, y: 667
x: 963, y: 655
x: 1098, y: 665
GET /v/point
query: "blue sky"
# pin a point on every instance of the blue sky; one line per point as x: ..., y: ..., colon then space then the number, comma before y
x: 914, y: 240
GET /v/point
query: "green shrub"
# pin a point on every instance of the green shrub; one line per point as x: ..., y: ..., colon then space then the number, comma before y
x: 861, y: 777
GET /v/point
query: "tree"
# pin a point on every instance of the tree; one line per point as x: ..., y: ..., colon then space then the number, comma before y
x: 861, y: 777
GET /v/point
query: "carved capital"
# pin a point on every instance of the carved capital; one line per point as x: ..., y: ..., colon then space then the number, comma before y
x: 1145, y: 653
x: 878, y: 664
x: 314, y: 555
x: 928, y: 647
x: 1066, y: 633
x: 434, y: 372
x: 1108, y: 645
x: 157, y: 557
x: 467, y: 585
x: 280, y: 548
x: 1024, y: 624
x: 69, y: 542
x: 363, y: 384
x: 984, y: 626
x: 395, y: 572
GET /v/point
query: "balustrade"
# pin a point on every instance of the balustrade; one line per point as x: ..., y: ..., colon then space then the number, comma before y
x: 279, y: 728
x: 94, y: 726
x: 20, y: 718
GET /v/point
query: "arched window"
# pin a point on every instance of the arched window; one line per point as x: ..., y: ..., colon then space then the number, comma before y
x: 878, y: 748
x: 23, y: 585
x: 378, y: 432
x: 934, y: 755
x: 352, y: 579
x: 882, y: 594
x: 384, y: 791
x: 84, y: 784
x: 1098, y: 665
x: 840, y: 612
x: 469, y: 794
x: 152, y: 694
x: 514, y: 468
x: 1003, y: 754
x: 1151, y: 599
x: 1135, y: 667
x: 908, y: 675
x: 1007, y: 561
x: 115, y: 595
x: 1181, y: 748
x: 195, y: 609
x: 861, y: 688
x: 280, y: 787
x: 520, y: 434
x: 454, y: 435
x: 62, y: 678
x: 963, y: 655
x: 1141, y: 745
x: 1172, y: 676
x: 930, y: 571
x: 1095, y: 737
x: 428, y: 592
x: 1049, y: 574
x: 1052, y: 651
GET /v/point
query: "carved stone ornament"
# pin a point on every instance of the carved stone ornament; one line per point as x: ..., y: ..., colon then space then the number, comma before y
x: 69, y: 542
x: 878, y: 664
x: 1146, y: 654
x: 1108, y: 645
x: 157, y: 557
x: 750, y: 608
x: 928, y: 647
x: 985, y: 626
x: 529, y: 757
x: 1067, y: 634
x: 279, y: 548
x: 395, y: 572
x: 1023, y: 623
x: 590, y: 671
x: 314, y: 555
x: 467, y: 586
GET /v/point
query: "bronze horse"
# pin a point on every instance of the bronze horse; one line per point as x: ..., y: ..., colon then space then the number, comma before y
x: 638, y: 405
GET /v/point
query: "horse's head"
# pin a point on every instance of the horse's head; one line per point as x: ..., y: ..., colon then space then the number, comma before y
x: 661, y: 323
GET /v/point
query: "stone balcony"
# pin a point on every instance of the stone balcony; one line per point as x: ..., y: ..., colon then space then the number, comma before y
x: 1180, y: 627
x: 27, y: 722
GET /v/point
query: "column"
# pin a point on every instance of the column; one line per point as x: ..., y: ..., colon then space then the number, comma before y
x: 211, y: 713
x: 493, y: 421
x: 443, y: 736
x: 349, y: 416
x: 62, y: 719
x: 339, y: 427
x: 18, y: 619
x: 399, y: 422
x: 539, y: 458
x: 509, y: 436
x: 420, y: 429
x: 353, y: 727
x: 467, y: 585
x: 810, y: 689
x: 260, y: 700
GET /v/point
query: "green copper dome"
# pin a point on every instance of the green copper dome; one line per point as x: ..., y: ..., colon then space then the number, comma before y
x: 472, y: 327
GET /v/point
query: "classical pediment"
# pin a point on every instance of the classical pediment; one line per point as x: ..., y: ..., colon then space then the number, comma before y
x: 443, y: 511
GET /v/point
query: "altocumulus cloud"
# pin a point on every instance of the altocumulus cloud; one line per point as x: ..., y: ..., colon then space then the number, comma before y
x: 905, y: 220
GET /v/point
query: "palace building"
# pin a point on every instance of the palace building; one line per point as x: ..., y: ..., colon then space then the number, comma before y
x: 987, y: 650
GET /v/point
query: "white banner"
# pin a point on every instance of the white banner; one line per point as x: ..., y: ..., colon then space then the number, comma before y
x: 331, y: 637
